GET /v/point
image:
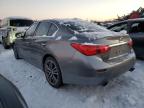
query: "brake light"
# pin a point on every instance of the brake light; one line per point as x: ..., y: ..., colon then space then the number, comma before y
x: 90, y: 50
x: 130, y: 43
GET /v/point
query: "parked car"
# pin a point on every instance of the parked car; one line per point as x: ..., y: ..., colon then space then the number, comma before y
x: 135, y: 28
x: 11, y: 26
x: 73, y: 51
x: 3, y: 32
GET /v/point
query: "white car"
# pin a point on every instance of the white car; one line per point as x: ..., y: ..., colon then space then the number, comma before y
x: 12, y: 25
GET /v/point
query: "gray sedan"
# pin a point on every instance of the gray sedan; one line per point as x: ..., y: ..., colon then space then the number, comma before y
x: 73, y: 51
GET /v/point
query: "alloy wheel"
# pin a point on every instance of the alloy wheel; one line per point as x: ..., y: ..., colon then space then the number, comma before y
x: 52, y: 72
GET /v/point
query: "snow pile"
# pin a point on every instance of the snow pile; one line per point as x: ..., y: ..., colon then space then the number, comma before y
x: 73, y: 38
x: 127, y: 91
x: 59, y: 38
x: 86, y: 43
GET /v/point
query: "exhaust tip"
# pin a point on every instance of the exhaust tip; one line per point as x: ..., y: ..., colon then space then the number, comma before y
x: 104, y: 83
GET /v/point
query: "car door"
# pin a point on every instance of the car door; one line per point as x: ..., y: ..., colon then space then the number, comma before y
x: 136, y: 32
x: 43, y: 34
x: 24, y: 44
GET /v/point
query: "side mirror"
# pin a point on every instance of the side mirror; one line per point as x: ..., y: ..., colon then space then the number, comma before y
x: 123, y: 31
x: 20, y: 34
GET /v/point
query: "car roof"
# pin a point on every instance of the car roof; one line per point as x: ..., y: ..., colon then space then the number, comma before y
x: 17, y: 17
x: 50, y: 20
x: 130, y: 20
x: 61, y: 21
x: 137, y: 19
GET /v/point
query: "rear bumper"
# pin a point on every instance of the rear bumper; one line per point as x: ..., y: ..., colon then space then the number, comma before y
x: 88, y: 74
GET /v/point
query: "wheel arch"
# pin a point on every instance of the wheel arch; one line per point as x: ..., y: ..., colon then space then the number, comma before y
x: 44, y: 58
x: 49, y: 55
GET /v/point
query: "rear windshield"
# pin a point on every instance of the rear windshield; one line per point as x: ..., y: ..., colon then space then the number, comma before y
x: 84, y: 26
x: 20, y: 23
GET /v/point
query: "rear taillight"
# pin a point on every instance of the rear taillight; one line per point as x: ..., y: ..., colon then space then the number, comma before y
x: 90, y: 50
x: 130, y: 43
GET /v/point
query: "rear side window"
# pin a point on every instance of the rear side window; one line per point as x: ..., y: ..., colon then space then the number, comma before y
x: 20, y: 23
x: 119, y: 27
x: 43, y: 29
x: 31, y: 29
x: 52, y: 30
x: 137, y: 27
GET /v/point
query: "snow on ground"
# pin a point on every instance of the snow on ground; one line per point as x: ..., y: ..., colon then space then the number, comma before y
x: 126, y: 91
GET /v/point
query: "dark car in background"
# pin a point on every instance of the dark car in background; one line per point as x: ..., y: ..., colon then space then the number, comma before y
x: 74, y: 51
x: 135, y: 28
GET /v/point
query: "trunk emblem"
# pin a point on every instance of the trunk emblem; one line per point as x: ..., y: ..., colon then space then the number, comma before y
x: 120, y: 39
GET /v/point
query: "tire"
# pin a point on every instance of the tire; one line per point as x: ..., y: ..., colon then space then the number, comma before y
x: 5, y: 44
x: 52, y: 72
x: 140, y: 57
x: 15, y: 52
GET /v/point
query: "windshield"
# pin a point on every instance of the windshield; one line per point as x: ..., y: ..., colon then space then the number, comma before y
x: 84, y: 26
x: 20, y: 23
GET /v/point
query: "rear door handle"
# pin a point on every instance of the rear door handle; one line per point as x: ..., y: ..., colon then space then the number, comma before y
x: 28, y: 42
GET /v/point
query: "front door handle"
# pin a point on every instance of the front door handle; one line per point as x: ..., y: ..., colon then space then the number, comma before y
x: 43, y: 44
x: 27, y: 42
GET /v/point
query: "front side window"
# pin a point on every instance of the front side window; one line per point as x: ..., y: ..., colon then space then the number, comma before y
x: 20, y: 23
x: 31, y: 30
x: 137, y: 27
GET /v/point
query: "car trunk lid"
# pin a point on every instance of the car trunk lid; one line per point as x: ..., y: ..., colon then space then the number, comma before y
x: 119, y: 46
x: 117, y: 42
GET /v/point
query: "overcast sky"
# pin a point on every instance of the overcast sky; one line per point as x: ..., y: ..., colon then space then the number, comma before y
x: 85, y: 9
